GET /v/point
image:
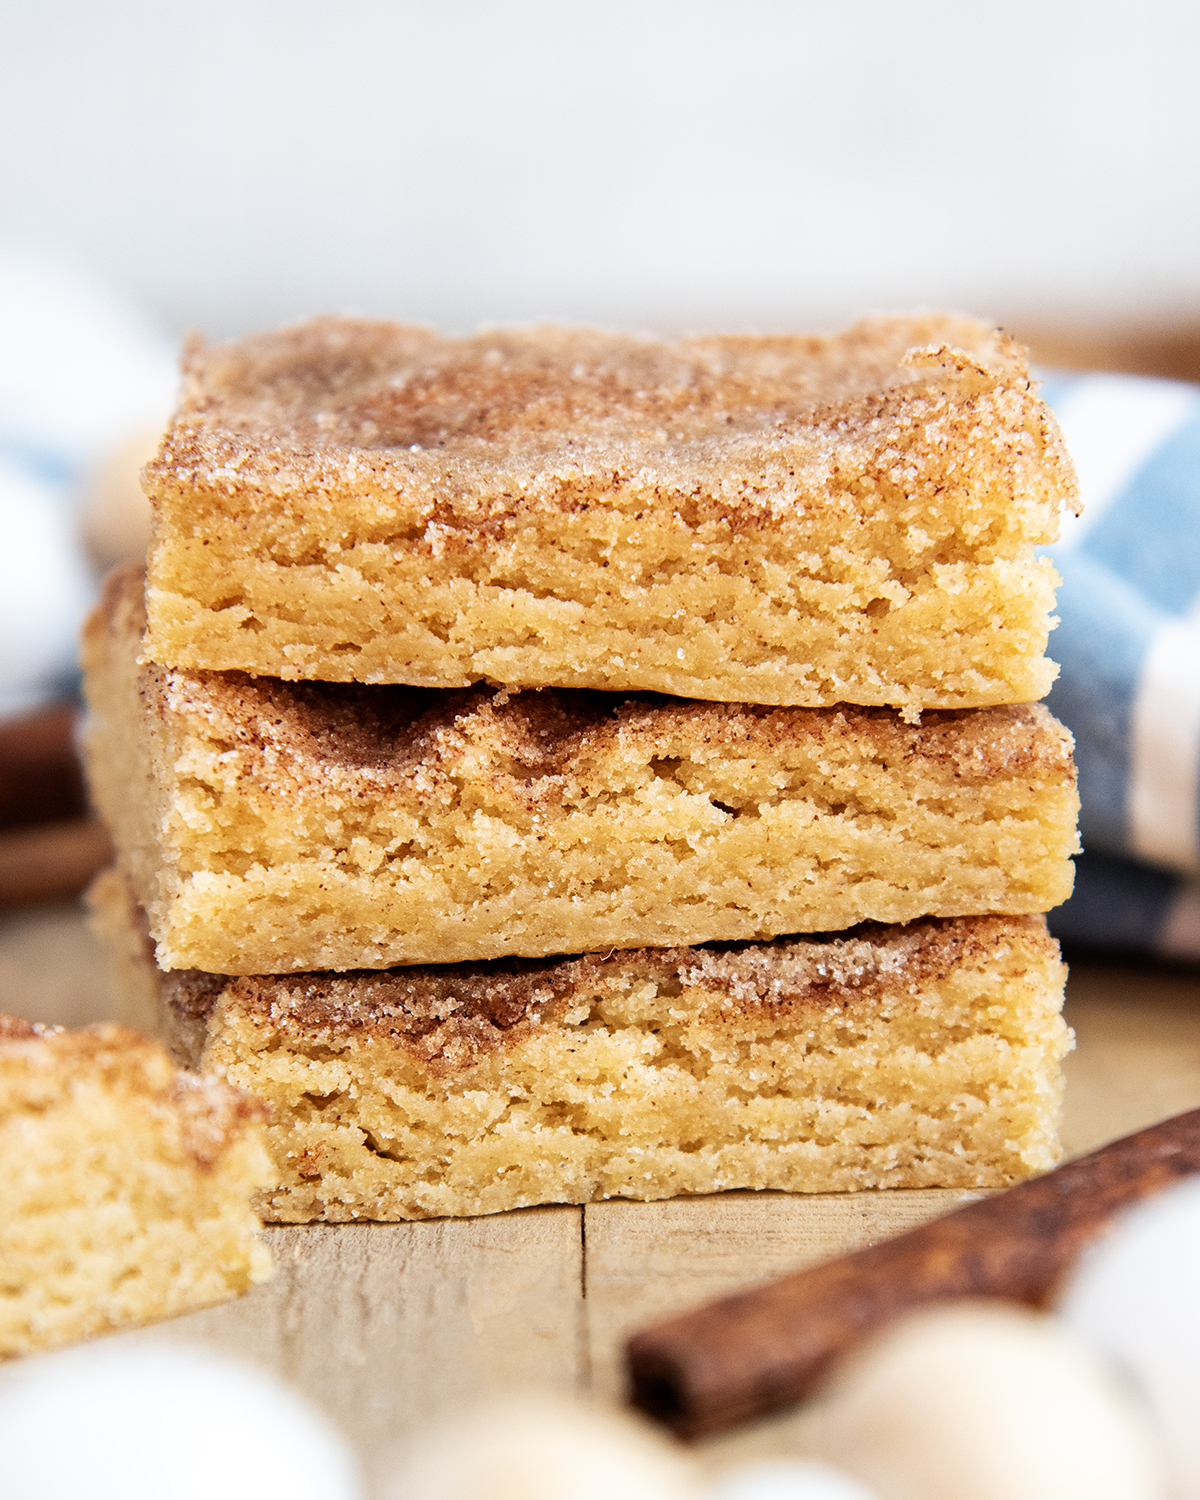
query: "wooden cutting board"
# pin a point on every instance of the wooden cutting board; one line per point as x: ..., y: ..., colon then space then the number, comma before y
x: 389, y: 1326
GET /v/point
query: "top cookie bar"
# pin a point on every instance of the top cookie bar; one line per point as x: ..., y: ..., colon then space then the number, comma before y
x: 792, y: 520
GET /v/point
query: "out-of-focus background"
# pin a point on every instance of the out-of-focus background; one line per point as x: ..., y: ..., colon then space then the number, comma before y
x: 655, y: 165
x: 662, y: 165
x: 659, y: 164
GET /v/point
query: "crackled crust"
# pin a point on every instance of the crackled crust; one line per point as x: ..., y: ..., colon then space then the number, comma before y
x: 334, y: 386
x: 275, y: 827
x: 305, y: 734
x: 768, y: 520
x: 450, y: 1015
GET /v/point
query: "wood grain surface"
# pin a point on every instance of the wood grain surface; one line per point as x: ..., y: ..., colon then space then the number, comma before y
x: 388, y: 1326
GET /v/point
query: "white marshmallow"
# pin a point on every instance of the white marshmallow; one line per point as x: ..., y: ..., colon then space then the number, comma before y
x: 1137, y: 1294
x: 789, y: 1479
x: 988, y: 1401
x: 117, y: 1421
x: 541, y: 1448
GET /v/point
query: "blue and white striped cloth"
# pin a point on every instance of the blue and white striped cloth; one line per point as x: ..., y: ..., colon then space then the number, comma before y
x: 1129, y: 647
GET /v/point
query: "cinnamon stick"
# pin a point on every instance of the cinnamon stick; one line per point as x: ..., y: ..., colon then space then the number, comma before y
x: 51, y: 861
x: 752, y: 1353
x: 41, y: 780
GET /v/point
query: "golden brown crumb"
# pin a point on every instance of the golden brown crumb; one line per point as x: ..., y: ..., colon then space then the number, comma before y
x: 127, y: 1185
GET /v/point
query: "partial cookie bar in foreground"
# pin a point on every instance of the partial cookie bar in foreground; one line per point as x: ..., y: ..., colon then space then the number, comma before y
x: 127, y: 1186
x: 923, y: 1056
x: 770, y: 520
x: 271, y: 827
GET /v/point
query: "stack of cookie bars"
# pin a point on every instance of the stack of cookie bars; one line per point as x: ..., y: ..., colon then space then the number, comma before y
x: 552, y: 765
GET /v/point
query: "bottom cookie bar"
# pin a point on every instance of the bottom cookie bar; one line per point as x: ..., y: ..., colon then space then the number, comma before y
x: 917, y: 1056
x: 126, y: 1186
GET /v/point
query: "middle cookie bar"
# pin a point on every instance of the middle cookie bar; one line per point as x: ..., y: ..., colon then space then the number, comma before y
x: 272, y: 827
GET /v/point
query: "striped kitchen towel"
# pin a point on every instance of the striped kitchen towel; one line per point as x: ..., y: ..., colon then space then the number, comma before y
x: 1129, y: 647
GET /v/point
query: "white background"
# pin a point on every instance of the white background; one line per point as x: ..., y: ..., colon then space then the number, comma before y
x: 647, y: 163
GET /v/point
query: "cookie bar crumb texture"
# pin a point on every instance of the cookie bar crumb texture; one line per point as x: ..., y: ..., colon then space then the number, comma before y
x: 127, y: 1186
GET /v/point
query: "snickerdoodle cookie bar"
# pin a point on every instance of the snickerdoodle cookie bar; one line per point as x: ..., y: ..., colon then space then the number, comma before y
x: 778, y: 520
x: 126, y: 1185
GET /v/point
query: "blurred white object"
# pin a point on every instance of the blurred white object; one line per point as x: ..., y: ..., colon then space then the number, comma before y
x: 789, y: 1480
x: 82, y: 375
x: 1137, y: 1295
x: 113, y: 1421
x: 115, y: 513
x: 45, y: 588
x: 988, y: 1401
x: 80, y: 367
x: 542, y: 1448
